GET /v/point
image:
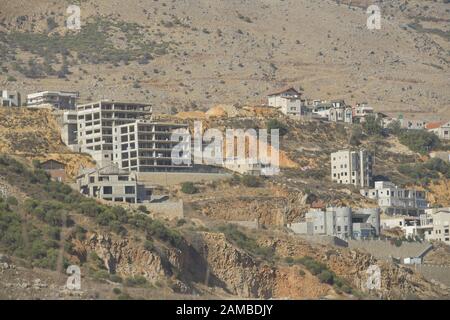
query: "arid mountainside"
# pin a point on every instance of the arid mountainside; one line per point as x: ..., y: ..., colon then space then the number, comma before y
x: 35, y: 135
x: 190, y: 54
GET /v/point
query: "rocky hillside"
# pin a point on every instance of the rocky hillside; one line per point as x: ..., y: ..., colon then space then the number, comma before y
x: 35, y: 135
x: 192, y: 54
x: 126, y: 254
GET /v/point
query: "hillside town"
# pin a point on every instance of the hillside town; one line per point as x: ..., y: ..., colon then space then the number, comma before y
x: 130, y: 149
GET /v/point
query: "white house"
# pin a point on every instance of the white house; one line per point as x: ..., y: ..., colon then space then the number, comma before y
x: 10, y: 98
x: 395, y: 200
x: 409, y: 225
x: 435, y: 223
x: 361, y: 111
x: 288, y: 101
x: 441, y: 129
x: 340, y: 112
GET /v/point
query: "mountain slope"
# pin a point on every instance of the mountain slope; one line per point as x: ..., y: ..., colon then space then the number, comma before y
x: 193, y: 54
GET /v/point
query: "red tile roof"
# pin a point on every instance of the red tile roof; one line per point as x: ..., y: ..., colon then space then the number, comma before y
x: 282, y: 90
x: 434, y: 125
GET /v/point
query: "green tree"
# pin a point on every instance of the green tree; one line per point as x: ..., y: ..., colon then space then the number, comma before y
x: 188, y: 188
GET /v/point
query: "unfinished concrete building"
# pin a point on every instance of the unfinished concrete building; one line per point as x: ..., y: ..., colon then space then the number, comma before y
x: 352, y: 167
x: 113, y: 184
x: 67, y: 121
x: 10, y: 98
x: 342, y: 222
x: 146, y: 146
x: 62, y: 100
x: 96, y: 122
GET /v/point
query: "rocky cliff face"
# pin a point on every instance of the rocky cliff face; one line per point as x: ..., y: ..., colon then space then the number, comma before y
x: 397, y: 282
x: 123, y: 257
x: 208, y: 259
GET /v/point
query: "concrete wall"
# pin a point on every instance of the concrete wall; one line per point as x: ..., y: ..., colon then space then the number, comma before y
x: 327, y: 240
x: 435, y: 272
x: 168, y: 209
x: 383, y: 249
x: 174, y: 178
x: 247, y: 224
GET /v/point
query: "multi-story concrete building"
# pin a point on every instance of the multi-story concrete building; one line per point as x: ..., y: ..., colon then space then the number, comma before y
x: 342, y: 222
x: 146, y: 146
x: 435, y: 223
x: 394, y: 200
x: 67, y: 121
x: 288, y: 101
x: 10, y: 98
x: 113, y: 184
x: 96, y: 122
x: 352, y: 167
x: 54, y: 99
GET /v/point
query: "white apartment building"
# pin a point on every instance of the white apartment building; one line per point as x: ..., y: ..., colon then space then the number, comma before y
x: 96, y: 122
x: 146, y: 146
x: 10, y: 98
x: 288, y: 101
x: 394, y: 200
x: 352, y: 167
x: 55, y: 99
x: 435, y: 223
x: 409, y: 225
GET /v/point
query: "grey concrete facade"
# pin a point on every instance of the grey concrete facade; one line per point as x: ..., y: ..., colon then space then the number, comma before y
x: 342, y: 222
x: 96, y: 122
x: 146, y: 146
x: 113, y: 184
x: 62, y: 100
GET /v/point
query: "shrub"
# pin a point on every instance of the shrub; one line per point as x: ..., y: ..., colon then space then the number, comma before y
x: 289, y: 260
x: 117, y: 291
x: 312, y: 265
x: 233, y: 234
x: 275, y: 124
x: 188, y: 188
x: 148, y: 245
x: 326, y: 276
x: 143, y: 209
x: 136, y: 281
x: 12, y: 201
x: 115, y: 278
x: 372, y: 125
x: 419, y: 140
x: 250, y: 181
